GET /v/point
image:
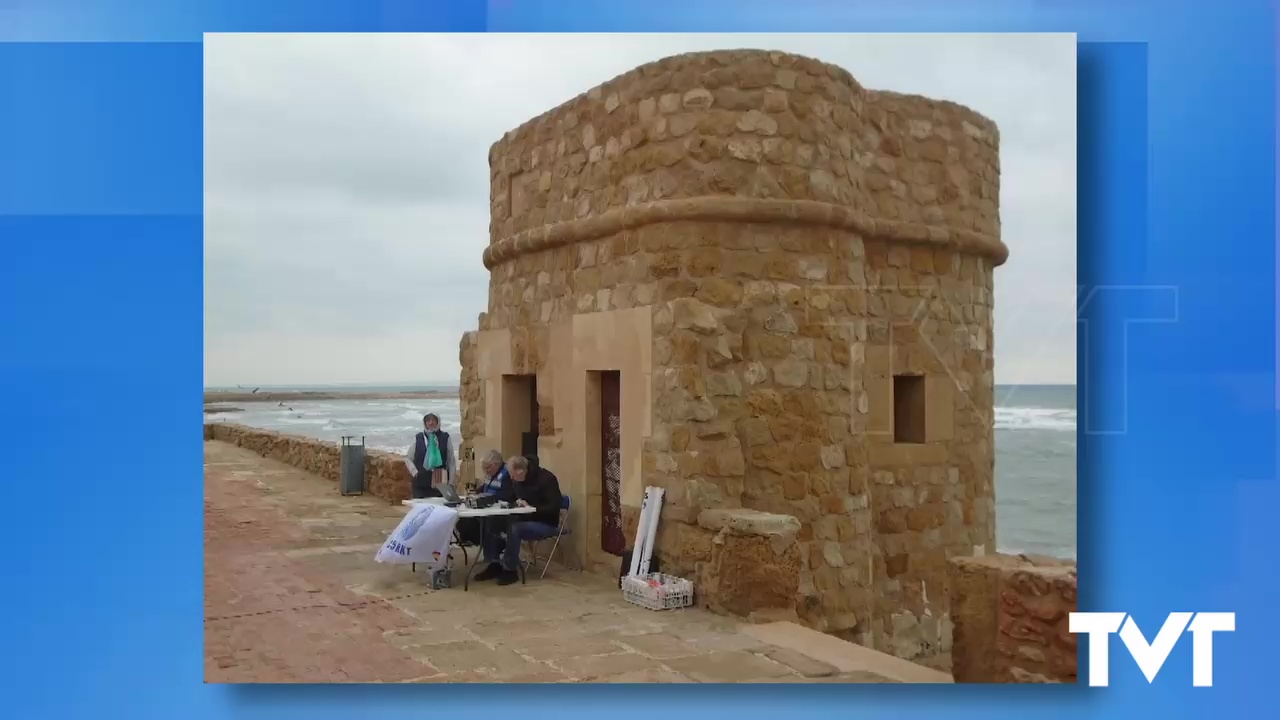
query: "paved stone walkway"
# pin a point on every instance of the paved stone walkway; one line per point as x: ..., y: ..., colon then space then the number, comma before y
x: 292, y: 594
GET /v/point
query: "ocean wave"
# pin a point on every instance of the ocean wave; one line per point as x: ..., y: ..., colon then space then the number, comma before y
x: 299, y: 420
x: 1061, y: 552
x: 417, y: 413
x: 1029, y: 418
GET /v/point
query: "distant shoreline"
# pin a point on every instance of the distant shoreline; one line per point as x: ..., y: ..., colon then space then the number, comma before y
x: 219, y: 396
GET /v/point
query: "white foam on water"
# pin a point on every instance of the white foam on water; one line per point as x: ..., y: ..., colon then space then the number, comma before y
x: 295, y: 420
x: 1066, y: 553
x: 1029, y: 418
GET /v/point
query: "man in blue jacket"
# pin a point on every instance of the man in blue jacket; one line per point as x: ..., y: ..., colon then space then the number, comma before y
x: 497, y: 481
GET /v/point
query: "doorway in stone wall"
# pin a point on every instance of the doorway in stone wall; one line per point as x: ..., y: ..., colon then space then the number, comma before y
x: 519, y: 435
x: 612, y: 538
x: 529, y: 439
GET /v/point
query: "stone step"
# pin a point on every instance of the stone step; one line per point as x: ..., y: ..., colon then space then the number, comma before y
x: 845, y: 656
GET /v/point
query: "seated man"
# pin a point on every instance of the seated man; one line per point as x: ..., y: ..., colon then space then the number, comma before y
x: 497, y: 482
x: 497, y: 479
x: 534, y: 487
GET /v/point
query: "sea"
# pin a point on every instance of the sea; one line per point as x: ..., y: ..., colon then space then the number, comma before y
x: 1035, y: 439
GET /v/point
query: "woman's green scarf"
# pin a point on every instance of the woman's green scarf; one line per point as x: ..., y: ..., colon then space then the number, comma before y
x: 433, y: 452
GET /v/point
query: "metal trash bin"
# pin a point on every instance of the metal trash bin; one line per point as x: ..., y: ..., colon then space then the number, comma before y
x: 351, y: 466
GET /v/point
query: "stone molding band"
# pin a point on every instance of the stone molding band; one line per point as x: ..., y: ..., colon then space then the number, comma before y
x: 743, y: 210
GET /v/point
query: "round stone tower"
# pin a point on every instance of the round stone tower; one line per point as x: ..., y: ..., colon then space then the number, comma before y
x: 745, y: 278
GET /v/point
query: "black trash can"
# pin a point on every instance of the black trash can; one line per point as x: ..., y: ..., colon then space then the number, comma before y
x: 351, y: 466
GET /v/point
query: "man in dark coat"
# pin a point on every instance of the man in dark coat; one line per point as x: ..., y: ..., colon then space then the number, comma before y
x: 531, y: 486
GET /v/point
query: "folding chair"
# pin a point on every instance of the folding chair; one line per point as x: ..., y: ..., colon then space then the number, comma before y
x: 532, y: 545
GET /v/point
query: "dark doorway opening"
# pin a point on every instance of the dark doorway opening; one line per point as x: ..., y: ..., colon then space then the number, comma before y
x: 519, y: 415
x: 612, y: 538
x: 529, y: 439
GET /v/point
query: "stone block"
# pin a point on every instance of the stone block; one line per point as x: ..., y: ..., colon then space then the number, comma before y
x: 754, y: 563
x: 745, y: 522
x: 1009, y: 616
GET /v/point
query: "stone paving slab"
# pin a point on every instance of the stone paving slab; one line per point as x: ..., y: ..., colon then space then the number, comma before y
x: 292, y: 594
x: 726, y: 666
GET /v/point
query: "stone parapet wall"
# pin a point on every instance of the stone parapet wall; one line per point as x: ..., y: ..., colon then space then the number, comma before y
x: 385, y: 475
x: 1011, y: 619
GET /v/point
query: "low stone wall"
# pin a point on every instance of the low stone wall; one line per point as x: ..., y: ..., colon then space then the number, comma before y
x: 385, y: 475
x: 1010, y: 619
x: 753, y: 568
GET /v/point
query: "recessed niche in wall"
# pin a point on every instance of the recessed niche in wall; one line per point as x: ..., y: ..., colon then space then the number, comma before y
x: 520, y: 194
x: 519, y: 415
x: 908, y: 408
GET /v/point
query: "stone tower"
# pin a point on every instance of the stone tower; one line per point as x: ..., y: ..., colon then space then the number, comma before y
x: 745, y: 278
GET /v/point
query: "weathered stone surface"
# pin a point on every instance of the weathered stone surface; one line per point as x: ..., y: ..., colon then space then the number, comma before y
x: 803, y: 664
x: 754, y: 563
x: 791, y: 373
x: 1010, y: 619
x: 692, y: 314
x: 741, y: 521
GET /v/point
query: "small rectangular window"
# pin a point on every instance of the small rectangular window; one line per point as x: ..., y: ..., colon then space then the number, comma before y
x: 908, y: 409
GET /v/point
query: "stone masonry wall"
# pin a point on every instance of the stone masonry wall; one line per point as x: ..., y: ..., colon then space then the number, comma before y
x: 744, y: 124
x: 385, y: 475
x: 800, y: 240
x: 1010, y: 615
x: 470, y: 407
x: 929, y: 314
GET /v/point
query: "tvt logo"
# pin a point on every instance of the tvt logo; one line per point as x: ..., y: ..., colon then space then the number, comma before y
x: 1150, y: 657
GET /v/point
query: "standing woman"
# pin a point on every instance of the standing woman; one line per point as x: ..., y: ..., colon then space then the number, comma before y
x: 430, y: 458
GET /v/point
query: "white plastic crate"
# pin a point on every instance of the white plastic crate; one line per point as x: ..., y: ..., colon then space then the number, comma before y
x: 657, y: 591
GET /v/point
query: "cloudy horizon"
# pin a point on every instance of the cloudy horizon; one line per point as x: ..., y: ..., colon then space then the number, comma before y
x: 347, y: 185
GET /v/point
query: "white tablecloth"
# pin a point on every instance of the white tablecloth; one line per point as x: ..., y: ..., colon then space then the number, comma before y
x: 422, y: 537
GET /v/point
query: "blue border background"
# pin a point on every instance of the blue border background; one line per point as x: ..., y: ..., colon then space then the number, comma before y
x: 101, y: 312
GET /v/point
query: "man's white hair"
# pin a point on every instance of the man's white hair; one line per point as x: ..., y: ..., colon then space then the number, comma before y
x: 493, y: 457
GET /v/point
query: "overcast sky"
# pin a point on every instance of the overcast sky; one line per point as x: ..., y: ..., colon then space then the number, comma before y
x: 347, y: 184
